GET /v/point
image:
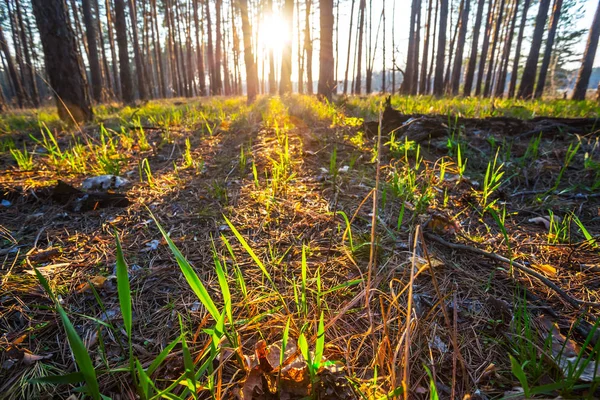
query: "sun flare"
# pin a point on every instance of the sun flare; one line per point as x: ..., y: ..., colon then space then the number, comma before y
x: 273, y: 33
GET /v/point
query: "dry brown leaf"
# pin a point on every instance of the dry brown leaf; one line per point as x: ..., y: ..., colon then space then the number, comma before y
x: 546, y: 268
x: 98, y: 282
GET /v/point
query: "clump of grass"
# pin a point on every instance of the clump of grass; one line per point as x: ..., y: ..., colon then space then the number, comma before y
x: 23, y: 158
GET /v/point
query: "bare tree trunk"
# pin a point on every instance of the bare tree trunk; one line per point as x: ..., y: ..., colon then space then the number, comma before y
x: 473, y: 56
x: 361, y: 28
x: 539, y: 90
x: 16, y: 80
x: 210, y: 50
x: 113, y: 52
x: 585, y: 71
x: 308, y: 48
x: 490, y: 71
x: 501, y: 84
x: 121, y: 28
x: 35, y: 96
x: 251, y: 73
x: 200, y: 49
x: 62, y: 64
x: 528, y: 78
x: 285, y: 85
x: 218, y: 55
x: 180, y: 58
x: 139, y: 63
x: 105, y: 70
x: 383, y: 70
x: 438, y: 84
x: 460, y: 47
x: 425, y: 61
x: 433, y: 44
x: 90, y: 30
x: 485, y: 47
x: 349, y: 48
x: 408, y: 78
x: 326, y: 78
x: 515, y: 68
x: 415, y: 60
x: 393, y: 46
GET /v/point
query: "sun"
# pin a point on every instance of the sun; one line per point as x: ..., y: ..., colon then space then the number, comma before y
x: 273, y: 33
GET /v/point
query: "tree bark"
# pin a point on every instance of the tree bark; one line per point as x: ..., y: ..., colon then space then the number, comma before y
x: 35, y: 96
x: 583, y: 78
x: 528, y: 78
x: 460, y: 47
x: 361, y: 28
x: 515, y: 67
x: 218, y: 44
x: 94, y: 61
x: 113, y: 53
x: 16, y: 80
x: 251, y: 73
x: 473, y: 55
x: 349, y: 48
x: 438, y: 83
x: 308, y: 48
x: 501, y: 84
x: 62, y: 63
x: 484, y: 48
x: 209, y: 50
x: 285, y: 85
x: 125, y: 71
x: 200, y: 49
x: 327, y: 82
x: 490, y: 71
x: 539, y: 89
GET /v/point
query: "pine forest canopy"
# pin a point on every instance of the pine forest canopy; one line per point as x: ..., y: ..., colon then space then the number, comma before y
x: 81, y: 52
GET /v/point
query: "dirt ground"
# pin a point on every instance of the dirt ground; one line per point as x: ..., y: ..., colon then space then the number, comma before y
x: 456, y: 275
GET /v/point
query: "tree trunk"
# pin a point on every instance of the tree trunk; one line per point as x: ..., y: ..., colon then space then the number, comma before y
x: 438, y: 83
x: 501, y: 84
x: 218, y: 54
x: 583, y: 78
x: 539, y: 89
x: 408, y: 78
x: 121, y: 28
x: 62, y: 64
x: 210, y: 51
x: 361, y: 28
x: 113, y: 52
x: 139, y: 62
x: 349, y: 48
x: 94, y: 61
x: 473, y: 56
x: 425, y: 61
x: 285, y: 85
x: 460, y: 47
x: 383, y: 69
x: 308, y: 48
x: 200, y: 49
x: 251, y: 73
x: 16, y: 80
x: 528, y: 78
x: 35, y: 96
x: 490, y: 71
x: 326, y: 64
x: 515, y: 68
x: 484, y: 48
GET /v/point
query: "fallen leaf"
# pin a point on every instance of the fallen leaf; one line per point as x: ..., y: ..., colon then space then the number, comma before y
x: 98, y: 282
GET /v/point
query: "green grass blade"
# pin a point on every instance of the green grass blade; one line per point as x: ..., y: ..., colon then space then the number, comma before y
x: 223, y: 283
x: 77, y: 347
x: 124, y: 292
x: 284, y: 340
x: 320, y: 344
x: 71, y: 378
x: 190, y: 275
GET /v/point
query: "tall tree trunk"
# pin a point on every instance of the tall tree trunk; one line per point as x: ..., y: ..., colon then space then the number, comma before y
x: 383, y: 69
x: 501, y: 84
x: 179, y: 56
x: 585, y: 71
x: 529, y: 73
x: 18, y: 49
x: 490, y: 71
x: 425, y: 61
x: 327, y: 82
x: 35, y: 96
x: 104, y: 69
x: 308, y: 48
x: 16, y: 80
x: 90, y: 31
x: 539, y: 89
x: 209, y: 50
x: 285, y: 85
x: 415, y: 60
x: 361, y: 28
x: 139, y: 62
x: 113, y: 52
x: 200, y: 49
x: 393, y: 46
x: 349, y: 48
x: 429, y: 84
x: 408, y: 78
x: 62, y: 64
x: 474, y: 44
x: 460, y: 47
x: 272, y: 82
x: 79, y: 32
x: 485, y: 47
x: 438, y: 83
x: 218, y: 44
x: 251, y: 73
x: 515, y: 67
x: 121, y: 28
x: 301, y: 56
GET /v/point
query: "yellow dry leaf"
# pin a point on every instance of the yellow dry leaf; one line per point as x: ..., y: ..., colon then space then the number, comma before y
x: 546, y: 268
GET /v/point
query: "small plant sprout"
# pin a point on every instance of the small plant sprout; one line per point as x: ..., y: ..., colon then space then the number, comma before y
x: 491, y: 181
x: 145, y: 170
x: 461, y: 162
x: 23, y: 158
x: 571, y: 151
x: 188, y: 160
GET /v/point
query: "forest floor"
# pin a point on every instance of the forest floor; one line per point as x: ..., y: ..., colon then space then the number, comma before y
x: 472, y: 272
